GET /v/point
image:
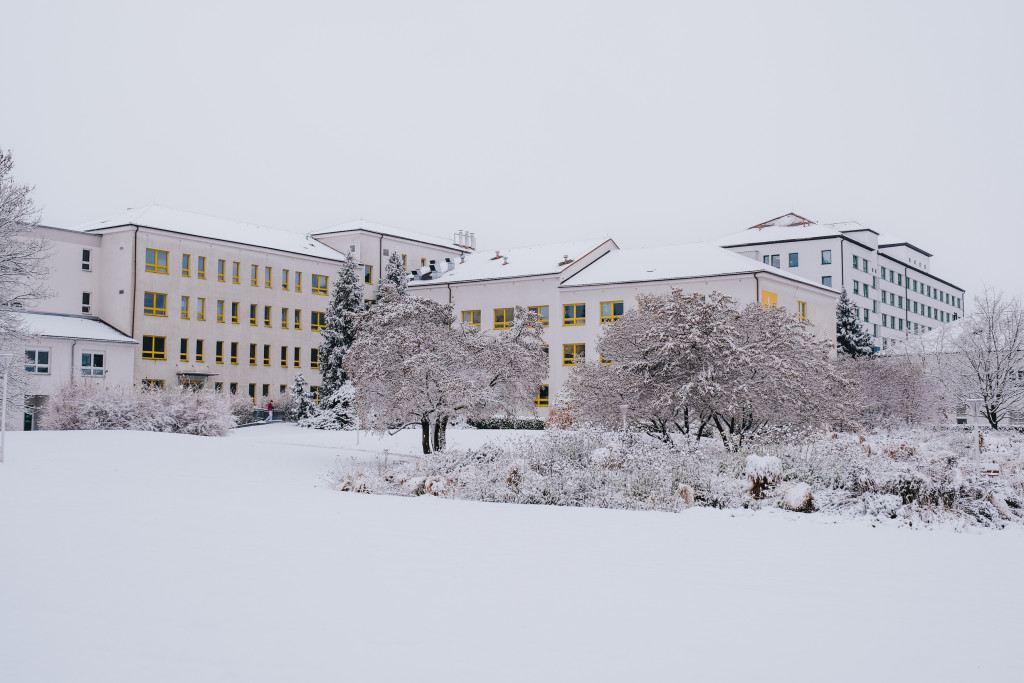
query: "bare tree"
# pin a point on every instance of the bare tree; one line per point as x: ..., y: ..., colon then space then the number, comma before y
x: 983, y: 356
x: 411, y: 364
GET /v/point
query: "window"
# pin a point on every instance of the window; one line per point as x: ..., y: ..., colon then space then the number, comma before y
x: 542, y: 396
x: 769, y: 299
x: 184, y: 307
x: 87, y: 259
x: 252, y: 354
x: 314, y: 391
x: 201, y: 267
x: 423, y: 262
x: 153, y: 383
x: 201, y: 309
x: 254, y: 275
x: 37, y: 361
x: 320, y: 284
x: 154, y: 303
x: 186, y: 262
x: 282, y: 388
x: 218, y: 387
x: 856, y: 287
x: 284, y: 318
x: 774, y: 260
x: 314, y: 358
x: 266, y: 316
x: 826, y: 257
x: 542, y: 314
x: 156, y: 261
x: 284, y: 278
x: 298, y: 319
x: 794, y: 260
x: 826, y: 280
x: 317, y: 322
x: 885, y: 320
x: 471, y: 318
x: 899, y: 279
x: 218, y: 352
x: 234, y: 353
x: 266, y: 390
x: 86, y: 303
x: 901, y: 324
x: 235, y: 267
x: 574, y: 314
x: 405, y: 263
x: 856, y: 262
x: 252, y: 392
x: 220, y: 270
x: 503, y: 318
x: 154, y: 348
x: 899, y: 302
x: 801, y: 310
x: 866, y: 315
x: 572, y: 352
x: 199, y: 350
x: 610, y: 311
x: 368, y: 275
x: 883, y: 272
x: 284, y: 356
x: 268, y: 273
x: 298, y: 281
x: 183, y: 350
x: 266, y: 355
x: 297, y: 357
x: 252, y: 314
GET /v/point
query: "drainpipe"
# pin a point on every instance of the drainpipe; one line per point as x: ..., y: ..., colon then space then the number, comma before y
x: 74, y: 343
x: 757, y: 289
x: 842, y: 266
x: 135, y: 262
x: 449, y: 293
x: 380, y: 263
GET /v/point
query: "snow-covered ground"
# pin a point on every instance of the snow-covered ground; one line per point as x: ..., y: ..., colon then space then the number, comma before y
x: 161, y: 557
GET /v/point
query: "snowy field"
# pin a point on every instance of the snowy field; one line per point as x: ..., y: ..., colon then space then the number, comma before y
x: 160, y: 557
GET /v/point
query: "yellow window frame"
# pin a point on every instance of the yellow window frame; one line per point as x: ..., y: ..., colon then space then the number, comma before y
x: 297, y: 356
x: 285, y: 274
x: 574, y: 315
x: 298, y: 318
x: 153, y: 353
x: 284, y: 318
x: 220, y: 310
x: 200, y: 350
x: 155, y: 309
x: 320, y: 284
x: 234, y: 312
x: 186, y: 264
x: 571, y: 351
x: 284, y: 356
x: 543, y: 319
x: 218, y: 352
x: 201, y: 267
x: 367, y: 275
x: 252, y: 354
x: 318, y: 320
x: 221, y: 268
x: 254, y: 275
x: 234, y: 353
x: 611, y: 316
x: 252, y: 315
x: 504, y: 318
x: 801, y: 310
x: 266, y: 355
x: 268, y: 277
x: 153, y: 259
x: 201, y: 308
x: 183, y: 350
x: 266, y: 316
x: 471, y: 318
x: 236, y: 267
x: 543, y: 397
x: 314, y: 358
x: 184, y: 308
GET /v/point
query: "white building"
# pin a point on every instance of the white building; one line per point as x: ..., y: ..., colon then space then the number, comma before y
x: 888, y: 279
x: 166, y: 297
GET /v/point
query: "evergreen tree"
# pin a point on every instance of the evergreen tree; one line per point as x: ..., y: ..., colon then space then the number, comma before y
x: 340, y: 324
x: 394, y: 275
x: 303, y: 405
x: 852, y: 339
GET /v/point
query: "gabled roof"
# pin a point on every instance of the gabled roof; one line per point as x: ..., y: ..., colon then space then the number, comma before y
x: 765, y: 233
x: 547, y: 259
x: 676, y: 262
x: 388, y: 230
x: 199, y: 225
x: 58, y: 326
x: 785, y: 220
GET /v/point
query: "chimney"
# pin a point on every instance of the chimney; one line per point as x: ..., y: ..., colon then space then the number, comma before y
x: 458, y: 236
x: 472, y: 240
x: 463, y: 258
x: 506, y: 261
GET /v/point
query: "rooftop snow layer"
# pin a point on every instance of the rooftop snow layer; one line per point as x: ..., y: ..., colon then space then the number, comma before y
x: 189, y: 223
x: 547, y: 259
x: 776, y: 233
x: 673, y: 262
x: 380, y: 229
x: 72, y: 327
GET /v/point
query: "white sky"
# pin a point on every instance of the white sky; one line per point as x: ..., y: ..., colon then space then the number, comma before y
x: 654, y: 123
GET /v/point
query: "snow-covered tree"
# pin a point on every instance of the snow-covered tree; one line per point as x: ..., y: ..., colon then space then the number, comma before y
x: 340, y: 324
x: 851, y: 338
x: 693, y: 364
x: 302, y: 403
x: 982, y: 356
x: 895, y: 389
x: 394, y: 274
x: 411, y: 365
x: 336, y: 411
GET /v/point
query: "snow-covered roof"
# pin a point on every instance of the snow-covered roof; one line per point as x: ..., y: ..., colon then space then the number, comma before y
x: 546, y: 259
x: 200, y: 225
x: 388, y: 230
x: 776, y: 233
x: 850, y: 226
x: 674, y: 262
x: 72, y: 327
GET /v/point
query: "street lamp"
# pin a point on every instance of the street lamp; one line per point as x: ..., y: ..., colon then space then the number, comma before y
x: 975, y: 405
x: 5, y: 362
x: 624, y: 407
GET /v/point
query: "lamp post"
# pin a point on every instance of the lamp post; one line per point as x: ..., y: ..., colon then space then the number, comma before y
x: 624, y: 407
x: 975, y: 405
x: 5, y: 362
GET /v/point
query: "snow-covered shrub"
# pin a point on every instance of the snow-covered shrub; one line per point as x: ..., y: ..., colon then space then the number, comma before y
x: 503, y: 422
x: 85, y: 405
x: 763, y: 471
x: 798, y: 498
x: 336, y: 411
x: 242, y: 408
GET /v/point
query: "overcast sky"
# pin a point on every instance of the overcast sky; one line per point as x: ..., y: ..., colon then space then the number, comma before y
x: 653, y: 123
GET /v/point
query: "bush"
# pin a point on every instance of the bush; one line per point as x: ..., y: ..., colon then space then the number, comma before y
x: 87, y: 405
x: 500, y: 422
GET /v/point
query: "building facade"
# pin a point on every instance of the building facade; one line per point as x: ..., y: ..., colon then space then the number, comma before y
x: 889, y: 280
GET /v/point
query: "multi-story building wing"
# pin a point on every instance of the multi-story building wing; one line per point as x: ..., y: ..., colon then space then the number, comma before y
x: 888, y: 280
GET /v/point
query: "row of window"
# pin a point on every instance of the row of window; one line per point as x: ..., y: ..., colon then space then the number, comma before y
x: 37, y: 361
x: 155, y: 348
x: 155, y: 304
x: 573, y: 315
x: 922, y: 288
x: 157, y: 260
x: 232, y: 387
x: 922, y: 309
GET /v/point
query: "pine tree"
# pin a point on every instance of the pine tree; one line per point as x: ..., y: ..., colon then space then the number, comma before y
x: 303, y: 405
x: 340, y: 324
x: 394, y: 275
x: 852, y: 339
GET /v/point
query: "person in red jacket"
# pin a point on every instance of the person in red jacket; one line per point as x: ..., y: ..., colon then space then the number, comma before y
x: 270, y: 411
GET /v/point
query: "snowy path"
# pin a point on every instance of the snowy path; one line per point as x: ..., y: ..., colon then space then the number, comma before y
x: 148, y: 557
